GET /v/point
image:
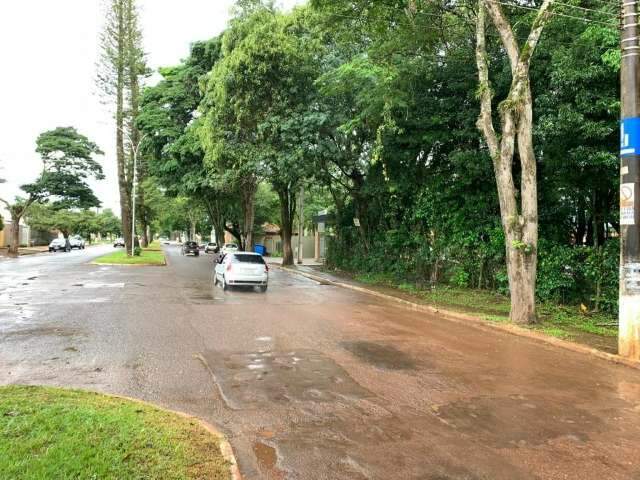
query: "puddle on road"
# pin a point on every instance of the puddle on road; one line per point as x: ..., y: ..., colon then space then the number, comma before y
x: 380, y: 356
x: 267, y: 459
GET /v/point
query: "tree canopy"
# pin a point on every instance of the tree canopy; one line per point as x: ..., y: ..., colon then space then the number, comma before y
x: 374, y: 106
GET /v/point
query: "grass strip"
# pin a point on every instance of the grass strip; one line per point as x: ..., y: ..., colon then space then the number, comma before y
x: 55, y: 433
x: 147, y: 257
x: 561, y: 321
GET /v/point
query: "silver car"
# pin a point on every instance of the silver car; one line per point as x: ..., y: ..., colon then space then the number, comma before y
x: 77, y: 242
x: 229, y: 248
x: 242, y: 269
x: 59, y: 245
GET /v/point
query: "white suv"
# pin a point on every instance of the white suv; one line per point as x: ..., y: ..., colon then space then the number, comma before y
x: 77, y: 242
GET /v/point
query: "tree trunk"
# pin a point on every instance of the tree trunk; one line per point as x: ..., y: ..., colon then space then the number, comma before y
x: 287, y: 214
x: 248, y: 201
x: 520, y: 222
x: 234, y: 230
x: 15, y: 234
x: 124, y: 186
x: 581, y: 227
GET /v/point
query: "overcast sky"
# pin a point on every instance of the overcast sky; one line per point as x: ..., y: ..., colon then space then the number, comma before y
x: 49, y: 52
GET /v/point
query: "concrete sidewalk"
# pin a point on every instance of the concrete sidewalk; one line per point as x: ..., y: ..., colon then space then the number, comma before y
x: 4, y: 251
x: 307, y: 262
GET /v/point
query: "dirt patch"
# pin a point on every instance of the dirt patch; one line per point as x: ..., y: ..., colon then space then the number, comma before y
x: 267, y: 457
x: 600, y: 342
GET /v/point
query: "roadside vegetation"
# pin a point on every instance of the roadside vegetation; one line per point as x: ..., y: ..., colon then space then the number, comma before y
x: 563, y: 321
x: 54, y: 433
x: 386, y: 117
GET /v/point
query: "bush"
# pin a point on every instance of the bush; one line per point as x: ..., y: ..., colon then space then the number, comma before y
x: 566, y: 274
x: 137, y: 252
x: 575, y: 275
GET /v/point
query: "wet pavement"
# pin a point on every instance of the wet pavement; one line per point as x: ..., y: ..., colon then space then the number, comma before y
x: 311, y: 381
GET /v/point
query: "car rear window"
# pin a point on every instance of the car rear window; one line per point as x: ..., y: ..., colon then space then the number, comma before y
x: 248, y: 259
x: 192, y: 244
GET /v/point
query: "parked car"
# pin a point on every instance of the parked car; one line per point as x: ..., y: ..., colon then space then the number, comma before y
x: 242, y: 269
x: 77, y: 242
x: 59, y: 245
x: 191, y: 248
x: 229, y: 248
x: 119, y: 243
x: 211, y: 247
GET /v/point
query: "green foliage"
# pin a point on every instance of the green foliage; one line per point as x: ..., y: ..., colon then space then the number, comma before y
x: 68, y: 161
x: 137, y: 251
x: 575, y: 274
x: 374, y: 109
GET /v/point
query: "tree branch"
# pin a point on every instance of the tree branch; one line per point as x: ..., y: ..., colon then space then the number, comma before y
x: 485, y: 120
x: 505, y: 31
x: 536, y: 30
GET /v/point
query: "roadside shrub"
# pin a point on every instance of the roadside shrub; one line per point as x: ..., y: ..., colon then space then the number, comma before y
x: 567, y: 274
x: 137, y: 251
x: 579, y: 274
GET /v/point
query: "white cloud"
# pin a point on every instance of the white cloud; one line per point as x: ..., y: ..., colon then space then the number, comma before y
x: 50, y: 49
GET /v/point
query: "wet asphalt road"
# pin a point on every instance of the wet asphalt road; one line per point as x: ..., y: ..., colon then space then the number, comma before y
x: 315, y: 382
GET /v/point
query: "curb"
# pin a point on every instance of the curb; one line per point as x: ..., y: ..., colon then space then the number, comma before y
x: 474, y: 321
x: 130, y: 264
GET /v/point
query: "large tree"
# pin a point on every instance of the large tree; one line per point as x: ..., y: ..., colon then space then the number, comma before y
x: 518, y: 206
x: 169, y: 117
x: 120, y: 69
x: 277, y: 93
x: 67, y: 163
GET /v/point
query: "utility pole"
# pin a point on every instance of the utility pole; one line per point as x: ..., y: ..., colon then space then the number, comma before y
x: 629, y: 302
x: 301, y: 226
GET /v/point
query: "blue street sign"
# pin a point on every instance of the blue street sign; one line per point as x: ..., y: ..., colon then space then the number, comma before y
x: 630, y: 136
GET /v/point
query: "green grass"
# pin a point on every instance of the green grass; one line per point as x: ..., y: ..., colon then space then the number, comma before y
x: 53, y: 433
x: 555, y: 320
x: 154, y: 246
x: 147, y: 257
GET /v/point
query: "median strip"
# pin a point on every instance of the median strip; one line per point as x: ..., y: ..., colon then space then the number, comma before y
x: 56, y: 433
x: 146, y: 258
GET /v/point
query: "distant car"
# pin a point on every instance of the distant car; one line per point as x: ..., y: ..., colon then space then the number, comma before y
x: 118, y: 243
x: 229, y: 248
x: 77, y: 242
x: 59, y: 245
x: 211, y: 247
x: 242, y: 269
x: 191, y: 248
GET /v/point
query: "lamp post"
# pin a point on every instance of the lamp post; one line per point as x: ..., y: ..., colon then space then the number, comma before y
x: 135, y: 147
